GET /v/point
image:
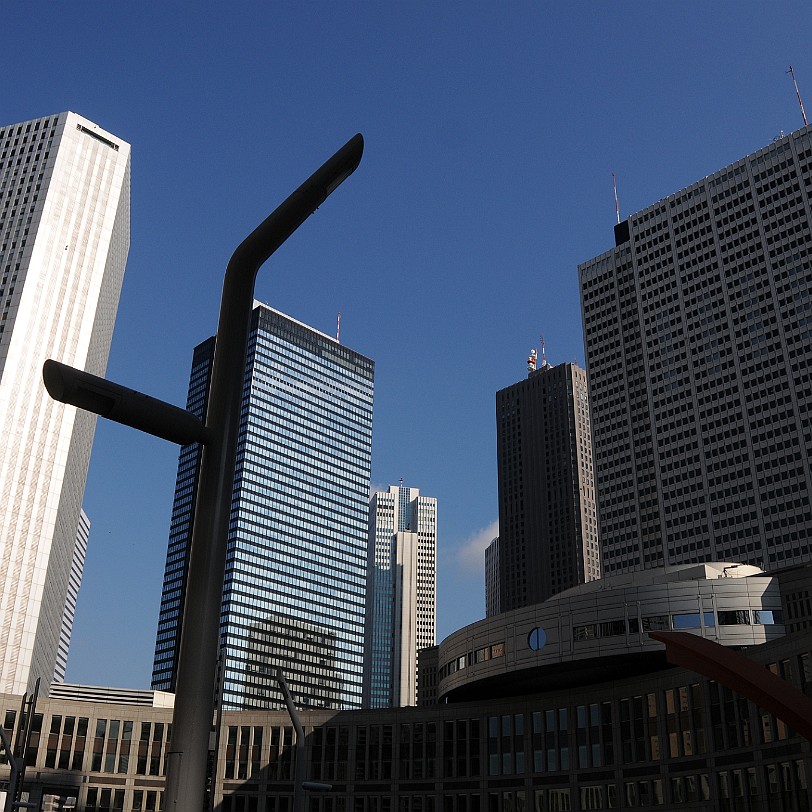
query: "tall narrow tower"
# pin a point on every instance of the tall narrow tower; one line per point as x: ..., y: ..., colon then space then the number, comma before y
x: 401, y: 593
x: 548, y: 539
x: 293, y: 595
x: 64, y: 238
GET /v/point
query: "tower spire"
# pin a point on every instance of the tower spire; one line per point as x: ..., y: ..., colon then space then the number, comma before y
x: 791, y: 72
x: 614, y: 186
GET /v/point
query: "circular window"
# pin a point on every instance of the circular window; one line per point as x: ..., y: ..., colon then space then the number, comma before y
x: 537, y: 639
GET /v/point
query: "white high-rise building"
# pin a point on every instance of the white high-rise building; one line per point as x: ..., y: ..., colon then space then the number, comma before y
x: 401, y: 594
x: 64, y: 238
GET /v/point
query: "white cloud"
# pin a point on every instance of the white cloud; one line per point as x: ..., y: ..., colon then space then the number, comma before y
x: 469, y: 557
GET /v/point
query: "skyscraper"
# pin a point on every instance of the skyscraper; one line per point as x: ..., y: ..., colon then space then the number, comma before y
x: 548, y: 536
x: 493, y: 599
x: 74, y: 583
x: 401, y: 593
x: 697, y: 335
x: 64, y: 238
x: 295, y: 575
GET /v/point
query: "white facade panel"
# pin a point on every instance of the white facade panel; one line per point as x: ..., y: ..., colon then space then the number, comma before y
x: 64, y: 237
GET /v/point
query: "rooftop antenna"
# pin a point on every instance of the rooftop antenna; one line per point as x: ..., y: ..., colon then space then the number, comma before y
x: 338, y: 327
x: 543, y: 353
x: 531, y: 361
x: 791, y: 72
x: 617, y: 205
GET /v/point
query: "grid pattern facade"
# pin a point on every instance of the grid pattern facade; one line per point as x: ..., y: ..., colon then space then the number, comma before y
x: 697, y: 338
x: 75, y: 581
x: 294, y: 583
x: 64, y: 238
x: 173, y: 593
x: 548, y: 535
x: 401, y: 593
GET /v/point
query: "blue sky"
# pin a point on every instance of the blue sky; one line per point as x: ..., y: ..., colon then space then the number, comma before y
x: 491, y: 130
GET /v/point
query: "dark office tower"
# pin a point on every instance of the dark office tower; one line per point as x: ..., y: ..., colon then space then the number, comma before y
x: 295, y: 574
x: 698, y: 335
x: 548, y: 538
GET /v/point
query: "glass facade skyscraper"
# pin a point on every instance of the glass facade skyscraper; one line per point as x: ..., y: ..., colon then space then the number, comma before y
x: 401, y: 593
x: 294, y: 583
x: 64, y: 239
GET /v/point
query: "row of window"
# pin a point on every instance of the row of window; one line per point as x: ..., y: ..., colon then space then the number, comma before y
x: 537, y: 637
x: 680, y: 621
x: 481, y: 655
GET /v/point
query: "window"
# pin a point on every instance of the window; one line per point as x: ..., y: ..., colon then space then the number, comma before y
x: 687, y: 621
x: 588, y: 631
x: 613, y: 628
x: 559, y: 800
x: 537, y: 639
x: 767, y: 617
x: 592, y: 797
x: 734, y: 617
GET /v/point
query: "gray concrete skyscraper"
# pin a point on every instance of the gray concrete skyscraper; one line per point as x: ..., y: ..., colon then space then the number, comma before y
x: 698, y: 329
x: 401, y: 593
x: 64, y: 238
x: 548, y: 539
x: 293, y: 594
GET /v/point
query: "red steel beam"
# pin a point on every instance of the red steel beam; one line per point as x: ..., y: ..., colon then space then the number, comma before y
x: 731, y: 668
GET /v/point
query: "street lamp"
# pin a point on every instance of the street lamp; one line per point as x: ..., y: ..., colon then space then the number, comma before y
x: 197, y: 657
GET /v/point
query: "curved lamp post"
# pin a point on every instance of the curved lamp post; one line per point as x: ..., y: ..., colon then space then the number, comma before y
x: 197, y: 658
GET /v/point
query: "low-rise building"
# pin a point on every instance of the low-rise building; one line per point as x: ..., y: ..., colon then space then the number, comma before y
x: 648, y: 736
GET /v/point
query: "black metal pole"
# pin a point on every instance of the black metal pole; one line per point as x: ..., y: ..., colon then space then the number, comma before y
x: 194, y: 688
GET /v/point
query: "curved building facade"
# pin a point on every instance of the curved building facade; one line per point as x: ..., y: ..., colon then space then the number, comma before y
x: 600, y: 629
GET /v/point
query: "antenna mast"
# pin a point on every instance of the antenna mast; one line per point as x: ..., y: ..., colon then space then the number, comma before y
x: 543, y: 353
x: 617, y: 205
x: 338, y: 327
x: 791, y: 72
